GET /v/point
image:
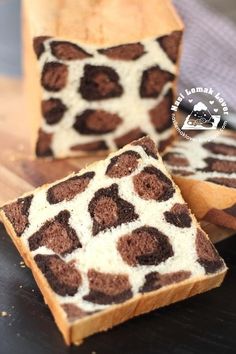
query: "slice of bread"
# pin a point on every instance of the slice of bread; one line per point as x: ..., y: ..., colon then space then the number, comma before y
x: 111, y: 242
x: 99, y: 74
x: 205, y: 172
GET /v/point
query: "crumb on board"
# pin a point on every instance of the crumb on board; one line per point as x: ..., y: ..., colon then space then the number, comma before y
x: 21, y: 286
x: 3, y: 313
x: 22, y: 264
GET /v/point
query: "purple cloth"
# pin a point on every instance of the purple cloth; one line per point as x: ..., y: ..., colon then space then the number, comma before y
x: 209, y: 50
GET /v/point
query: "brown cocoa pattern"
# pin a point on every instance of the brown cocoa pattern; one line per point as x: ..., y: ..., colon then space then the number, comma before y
x: 108, y: 210
x: 53, y: 110
x: 153, y: 81
x: 73, y: 312
x: 63, y: 277
x: 171, y: 44
x: 148, y: 146
x: 151, y: 183
x: 145, y: 246
x: 56, y: 234
x: 179, y: 216
x: 155, y: 280
x: 43, y: 145
x: 54, y: 76
x: 69, y: 188
x: 124, y: 52
x: 18, y: 213
x: 222, y: 166
x: 160, y: 115
x: 38, y: 45
x: 99, y: 82
x: 107, y: 288
x: 90, y: 147
x: 176, y: 159
x: 123, y: 165
x: 127, y: 138
x: 220, y: 148
x: 163, y: 144
x: 208, y: 257
x: 64, y: 50
x: 96, y: 122
x: 223, y: 181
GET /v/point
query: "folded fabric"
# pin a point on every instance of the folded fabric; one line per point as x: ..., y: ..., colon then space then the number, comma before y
x: 209, y: 50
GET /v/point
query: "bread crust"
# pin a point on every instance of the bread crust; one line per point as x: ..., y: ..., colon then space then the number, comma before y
x: 203, y: 197
x: 102, y: 22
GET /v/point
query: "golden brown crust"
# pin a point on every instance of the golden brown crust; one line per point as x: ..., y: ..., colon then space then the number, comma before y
x: 203, y: 196
x: 102, y: 22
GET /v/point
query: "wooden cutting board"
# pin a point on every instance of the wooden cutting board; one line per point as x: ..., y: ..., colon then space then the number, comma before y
x: 19, y: 171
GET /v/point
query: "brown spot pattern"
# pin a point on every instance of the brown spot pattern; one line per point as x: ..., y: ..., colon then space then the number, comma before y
x: 43, y: 145
x: 38, y: 45
x: 106, y: 288
x: 99, y: 82
x: 90, y: 147
x: 145, y: 246
x: 176, y: 159
x: 123, y: 164
x: 151, y: 183
x: 170, y: 44
x: 127, y: 138
x: 54, y: 76
x: 220, y: 148
x: 155, y: 280
x: 181, y: 172
x: 153, y: 81
x: 148, y: 146
x: 63, y: 277
x: 69, y: 188
x: 222, y: 217
x: 224, y: 166
x: 96, y: 122
x: 223, y: 181
x: 53, y: 110
x: 57, y: 235
x: 17, y: 213
x: 163, y: 144
x: 207, y: 254
x: 161, y: 114
x: 178, y: 216
x: 108, y: 210
x: 73, y: 312
x: 124, y: 52
x: 64, y: 50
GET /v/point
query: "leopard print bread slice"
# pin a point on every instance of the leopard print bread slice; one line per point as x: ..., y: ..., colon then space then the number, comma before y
x: 112, y: 241
x: 205, y: 171
x: 105, y: 77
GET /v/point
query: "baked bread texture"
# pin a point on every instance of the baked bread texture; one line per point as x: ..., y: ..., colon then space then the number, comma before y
x: 112, y: 242
x: 99, y: 73
x: 205, y: 172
